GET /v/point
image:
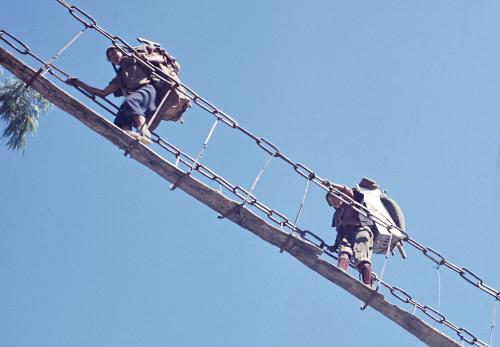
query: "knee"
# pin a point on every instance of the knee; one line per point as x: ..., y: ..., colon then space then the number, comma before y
x: 123, y: 122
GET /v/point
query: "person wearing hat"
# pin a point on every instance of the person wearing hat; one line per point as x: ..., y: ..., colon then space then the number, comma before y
x: 354, y: 230
x: 134, y: 84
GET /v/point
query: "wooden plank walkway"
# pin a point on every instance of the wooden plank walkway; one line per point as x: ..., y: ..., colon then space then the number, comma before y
x: 305, y: 252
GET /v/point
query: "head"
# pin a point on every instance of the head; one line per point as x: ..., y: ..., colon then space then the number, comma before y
x: 114, y: 55
x: 334, y: 200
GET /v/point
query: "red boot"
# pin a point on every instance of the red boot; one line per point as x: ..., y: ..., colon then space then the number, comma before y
x: 365, y: 270
x: 343, y: 261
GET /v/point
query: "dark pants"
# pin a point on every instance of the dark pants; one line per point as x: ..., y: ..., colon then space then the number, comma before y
x: 140, y: 102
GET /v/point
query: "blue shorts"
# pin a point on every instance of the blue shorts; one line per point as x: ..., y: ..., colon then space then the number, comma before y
x: 139, y: 102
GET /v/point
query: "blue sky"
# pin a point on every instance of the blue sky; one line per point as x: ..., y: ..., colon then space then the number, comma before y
x: 96, y: 251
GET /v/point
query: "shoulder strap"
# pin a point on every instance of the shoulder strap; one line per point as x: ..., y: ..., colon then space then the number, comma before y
x: 119, y: 79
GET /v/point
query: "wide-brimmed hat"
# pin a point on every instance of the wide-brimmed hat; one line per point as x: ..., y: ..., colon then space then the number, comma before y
x: 368, y: 183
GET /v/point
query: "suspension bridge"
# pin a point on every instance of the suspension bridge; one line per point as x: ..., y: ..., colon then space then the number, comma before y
x: 238, y: 204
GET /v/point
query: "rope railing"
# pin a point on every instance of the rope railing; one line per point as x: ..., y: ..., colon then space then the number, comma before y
x: 247, y: 197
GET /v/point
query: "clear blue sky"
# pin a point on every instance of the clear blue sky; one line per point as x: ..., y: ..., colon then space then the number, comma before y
x: 96, y: 251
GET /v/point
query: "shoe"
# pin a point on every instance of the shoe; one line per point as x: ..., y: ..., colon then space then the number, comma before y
x: 365, y: 270
x: 144, y: 138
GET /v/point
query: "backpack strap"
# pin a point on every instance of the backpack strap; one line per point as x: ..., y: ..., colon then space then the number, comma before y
x: 123, y: 87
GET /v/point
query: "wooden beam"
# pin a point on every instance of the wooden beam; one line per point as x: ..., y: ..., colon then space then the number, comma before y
x: 299, y: 248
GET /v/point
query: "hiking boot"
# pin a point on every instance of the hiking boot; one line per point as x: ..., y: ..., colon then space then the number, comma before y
x: 365, y: 270
x: 144, y: 138
x: 343, y: 262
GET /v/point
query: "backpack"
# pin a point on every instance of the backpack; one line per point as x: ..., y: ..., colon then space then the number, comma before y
x: 394, y: 211
x: 177, y: 101
x: 389, y: 211
x: 153, y: 49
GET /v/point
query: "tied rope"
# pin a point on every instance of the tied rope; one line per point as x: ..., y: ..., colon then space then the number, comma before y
x: 301, y: 207
x: 493, y: 322
x: 46, y: 66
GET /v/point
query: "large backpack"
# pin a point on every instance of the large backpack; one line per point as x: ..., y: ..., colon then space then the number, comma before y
x: 171, y: 105
x: 394, y: 210
x: 176, y: 102
x: 389, y: 211
x: 152, y: 49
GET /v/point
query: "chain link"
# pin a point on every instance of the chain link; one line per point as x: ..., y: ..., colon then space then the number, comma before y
x: 430, y: 253
x: 432, y: 313
x: 465, y: 273
x: 227, y: 120
x: 468, y: 337
x: 267, y: 146
x: 304, y: 171
x: 6, y: 37
x: 406, y: 298
x: 74, y: 11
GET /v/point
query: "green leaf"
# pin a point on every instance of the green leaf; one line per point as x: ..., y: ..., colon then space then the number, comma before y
x: 20, y: 109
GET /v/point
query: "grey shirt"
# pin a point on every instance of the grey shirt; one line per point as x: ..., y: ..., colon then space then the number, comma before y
x: 130, y: 76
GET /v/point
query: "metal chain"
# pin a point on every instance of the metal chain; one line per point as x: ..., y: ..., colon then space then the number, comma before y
x: 436, y: 316
x: 53, y: 70
x: 264, y: 144
x: 281, y: 220
x: 398, y: 293
x: 272, y: 149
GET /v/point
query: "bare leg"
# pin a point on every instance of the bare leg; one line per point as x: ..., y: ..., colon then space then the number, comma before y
x: 139, y: 121
x: 343, y: 262
x: 143, y: 135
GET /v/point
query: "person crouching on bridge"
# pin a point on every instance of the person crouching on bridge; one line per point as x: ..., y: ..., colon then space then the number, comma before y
x: 134, y: 84
x: 354, y: 230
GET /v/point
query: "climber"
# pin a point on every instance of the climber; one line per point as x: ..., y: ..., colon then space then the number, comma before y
x: 132, y: 82
x: 354, y: 230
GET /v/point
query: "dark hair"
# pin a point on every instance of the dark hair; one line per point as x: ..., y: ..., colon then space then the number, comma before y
x: 109, y: 49
x: 336, y: 195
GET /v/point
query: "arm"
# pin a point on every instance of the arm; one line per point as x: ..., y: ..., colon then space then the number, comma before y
x: 343, y: 188
x: 110, y: 88
x: 336, y: 199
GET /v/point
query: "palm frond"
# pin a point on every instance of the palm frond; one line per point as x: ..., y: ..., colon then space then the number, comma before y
x: 20, y: 109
